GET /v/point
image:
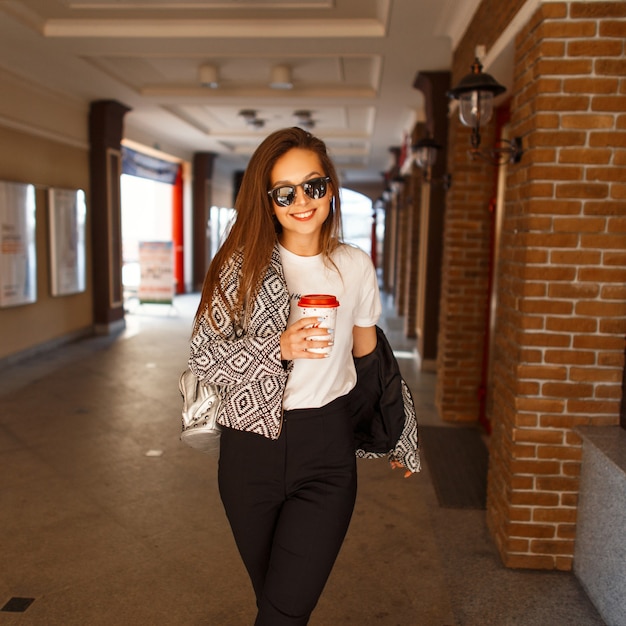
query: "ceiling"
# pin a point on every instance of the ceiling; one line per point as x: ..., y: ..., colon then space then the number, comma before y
x: 352, y: 64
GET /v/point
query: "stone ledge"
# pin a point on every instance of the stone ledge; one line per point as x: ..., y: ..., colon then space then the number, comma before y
x: 609, y: 440
x: 600, y: 550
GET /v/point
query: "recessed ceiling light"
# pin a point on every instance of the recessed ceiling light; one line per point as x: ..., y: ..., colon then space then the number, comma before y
x: 207, y: 75
x: 281, y: 77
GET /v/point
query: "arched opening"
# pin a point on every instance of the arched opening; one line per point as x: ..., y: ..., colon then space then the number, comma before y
x: 356, y: 212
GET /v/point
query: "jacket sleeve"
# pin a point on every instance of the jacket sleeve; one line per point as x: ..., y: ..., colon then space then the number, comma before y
x: 225, y: 353
x: 233, y: 360
x: 406, y: 449
x: 384, y: 416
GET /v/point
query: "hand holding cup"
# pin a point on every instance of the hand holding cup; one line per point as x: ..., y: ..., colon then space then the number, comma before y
x: 312, y: 335
x: 324, y: 308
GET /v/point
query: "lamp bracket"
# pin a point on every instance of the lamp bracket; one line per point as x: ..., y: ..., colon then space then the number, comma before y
x: 445, y: 181
x: 505, y: 151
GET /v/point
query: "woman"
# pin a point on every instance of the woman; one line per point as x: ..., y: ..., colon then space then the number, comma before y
x: 287, y: 471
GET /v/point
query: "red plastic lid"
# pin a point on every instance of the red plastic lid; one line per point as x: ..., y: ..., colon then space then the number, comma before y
x: 318, y: 300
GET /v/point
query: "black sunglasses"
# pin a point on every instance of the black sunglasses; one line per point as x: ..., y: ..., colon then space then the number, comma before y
x: 284, y: 195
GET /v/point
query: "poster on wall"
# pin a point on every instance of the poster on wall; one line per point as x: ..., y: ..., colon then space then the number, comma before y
x: 67, y: 214
x: 156, y: 272
x: 18, y: 256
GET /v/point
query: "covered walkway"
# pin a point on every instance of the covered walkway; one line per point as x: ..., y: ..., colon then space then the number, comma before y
x: 107, y: 519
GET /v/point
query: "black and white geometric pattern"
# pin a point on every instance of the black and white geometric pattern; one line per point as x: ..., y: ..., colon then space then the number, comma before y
x: 246, y: 362
x: 406, y: 449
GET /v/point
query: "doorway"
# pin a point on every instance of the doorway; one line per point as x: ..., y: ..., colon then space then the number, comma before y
x: 152, y: 241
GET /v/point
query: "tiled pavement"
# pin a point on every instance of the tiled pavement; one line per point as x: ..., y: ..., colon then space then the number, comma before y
x: 107, y: 519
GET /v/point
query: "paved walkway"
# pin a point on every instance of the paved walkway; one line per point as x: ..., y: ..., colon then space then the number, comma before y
x: 107, y: 519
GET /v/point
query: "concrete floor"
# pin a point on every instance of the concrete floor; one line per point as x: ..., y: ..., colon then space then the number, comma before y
x: 107, y: 519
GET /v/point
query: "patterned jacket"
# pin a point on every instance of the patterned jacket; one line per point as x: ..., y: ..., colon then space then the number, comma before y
x: 246, y: 364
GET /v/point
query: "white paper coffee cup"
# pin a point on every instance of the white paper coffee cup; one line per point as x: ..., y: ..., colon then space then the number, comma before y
x: 324, y: 308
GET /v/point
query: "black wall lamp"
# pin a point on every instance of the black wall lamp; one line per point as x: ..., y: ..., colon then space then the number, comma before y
x: 475, y: 93
x: 397, y: 184
x: 425, y: 154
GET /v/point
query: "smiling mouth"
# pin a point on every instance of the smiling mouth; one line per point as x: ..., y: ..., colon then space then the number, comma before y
x: 303, y: 216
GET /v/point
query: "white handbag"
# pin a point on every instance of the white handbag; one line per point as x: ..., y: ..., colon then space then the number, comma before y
x: 201, y: 404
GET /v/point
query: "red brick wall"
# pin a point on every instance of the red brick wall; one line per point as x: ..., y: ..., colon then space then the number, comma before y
x: 467, y: 236
x: 562, y: 281
x: 465, y: 278
x: 488, y: 23
x: 561, y: 301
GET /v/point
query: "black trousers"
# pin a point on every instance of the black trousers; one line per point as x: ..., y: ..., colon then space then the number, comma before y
x: 289, y: 504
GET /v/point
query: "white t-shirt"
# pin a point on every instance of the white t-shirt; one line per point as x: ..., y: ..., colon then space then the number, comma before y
x: 315, y: 382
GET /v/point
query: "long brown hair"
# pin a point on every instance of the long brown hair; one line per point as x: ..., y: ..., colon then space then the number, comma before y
x: 254, y: 232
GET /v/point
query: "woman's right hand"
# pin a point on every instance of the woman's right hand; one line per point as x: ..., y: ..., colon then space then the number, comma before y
x: 296, y: 339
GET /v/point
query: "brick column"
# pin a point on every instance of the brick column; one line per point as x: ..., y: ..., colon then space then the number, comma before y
x: 411, y: 269
x: 561, y: 291
x: 404, y: 209
x: 464, y: 276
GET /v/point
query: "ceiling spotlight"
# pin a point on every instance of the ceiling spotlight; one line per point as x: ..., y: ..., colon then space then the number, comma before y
x: 281, y: 77
x: 304, y: 119
x: 207, y: 75
x: 249, y: 115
